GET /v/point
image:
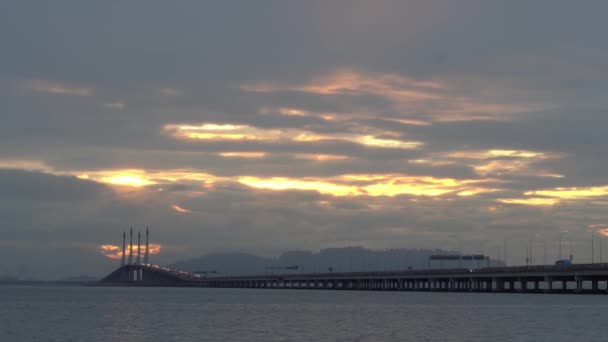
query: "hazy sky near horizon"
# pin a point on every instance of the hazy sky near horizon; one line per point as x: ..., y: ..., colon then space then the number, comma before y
x: 264, y: 126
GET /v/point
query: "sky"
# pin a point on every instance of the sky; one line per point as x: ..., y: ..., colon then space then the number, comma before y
x: 266, y: 126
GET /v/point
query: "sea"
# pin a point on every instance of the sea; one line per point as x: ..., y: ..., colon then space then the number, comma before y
x: 132, y: 314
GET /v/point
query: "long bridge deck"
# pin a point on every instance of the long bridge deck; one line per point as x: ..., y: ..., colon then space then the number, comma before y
x: 578, y: 278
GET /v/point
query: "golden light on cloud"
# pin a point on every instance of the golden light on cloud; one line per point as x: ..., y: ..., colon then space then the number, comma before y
x: 371, y: 185
x: 111, y: 251
x: 243, y: 154
x: 129, y: 179
x: 126, y: 177
x: 115, y: 252
x: 394, y: 185
x: 514, y: 153
x: 572, y: 193
x: 350, y: 81
x: 387, y: 143
x: 412, y: 122
x: 180, y: 209
x: 211, y: 131
x: 405, y: 93
x: 600, y: 228
x: 496, y: 153
x: 139, y: 177
x: 280, y: 183
x: 393, y: 188
x: 224, y: 132
x: 499, y: 167
x: 503, y: 161
x: 535, y: 201
x: 320, y: 157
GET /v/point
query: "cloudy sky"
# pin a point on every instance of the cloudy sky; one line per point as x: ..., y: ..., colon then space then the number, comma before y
x: 264, y: 126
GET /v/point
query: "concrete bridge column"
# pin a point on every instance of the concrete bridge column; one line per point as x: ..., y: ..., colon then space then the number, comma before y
x: 564, y: 285
x: 523, y: 284
x: 499, y: 284
x: 594, y: 285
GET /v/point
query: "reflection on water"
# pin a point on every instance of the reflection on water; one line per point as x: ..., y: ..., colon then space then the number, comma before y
x: 64, y: 313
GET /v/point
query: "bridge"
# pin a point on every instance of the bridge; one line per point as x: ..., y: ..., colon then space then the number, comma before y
x: 579, y: 278
x: 562, y: 278
x: 149, y: 275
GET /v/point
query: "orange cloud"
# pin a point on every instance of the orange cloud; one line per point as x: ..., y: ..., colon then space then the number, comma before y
x: 115, y: 252
x: 180, y: 209
x: 406, y: 94
x: 600, y: 228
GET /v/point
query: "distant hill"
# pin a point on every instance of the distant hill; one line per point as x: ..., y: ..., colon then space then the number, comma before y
x: 347, y: 259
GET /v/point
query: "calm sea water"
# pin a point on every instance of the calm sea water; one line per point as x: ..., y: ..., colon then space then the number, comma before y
x: 74, y: 313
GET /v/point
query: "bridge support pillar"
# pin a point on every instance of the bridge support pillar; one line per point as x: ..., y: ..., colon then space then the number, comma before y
x: 523, y: 284
x: 594, y: 285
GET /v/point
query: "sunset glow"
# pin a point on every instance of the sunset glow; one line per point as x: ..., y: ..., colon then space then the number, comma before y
x: 373, y: 185
x: 243, y: 154
x: 572, y: 193
x: 217, y: 132
x: 265, y: 127
x: 115, y: 252
x: 530, y: 201
x: 180, y: 209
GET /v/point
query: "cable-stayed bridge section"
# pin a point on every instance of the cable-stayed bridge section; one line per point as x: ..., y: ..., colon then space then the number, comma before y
x: 149, y: 275
x: 563, y: 277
